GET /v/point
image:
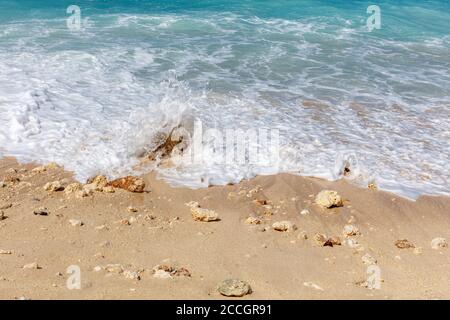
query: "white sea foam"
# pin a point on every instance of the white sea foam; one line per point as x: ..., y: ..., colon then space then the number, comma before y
x: 94, y: 101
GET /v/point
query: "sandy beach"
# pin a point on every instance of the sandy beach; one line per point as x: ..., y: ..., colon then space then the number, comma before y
x: 131, y: 245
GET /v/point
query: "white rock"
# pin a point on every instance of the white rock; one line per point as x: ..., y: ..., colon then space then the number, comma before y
x: 439, y: 243
x: 161, y: 274
x: 75, y: 223
x: 284, y: 226
x: 133, y: 275
x: 32, y: 265
x: 329, y: 199
x: 304, y: 212
x: 312, y: 285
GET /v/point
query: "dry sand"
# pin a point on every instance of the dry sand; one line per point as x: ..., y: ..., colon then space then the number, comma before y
x: 277, y: 265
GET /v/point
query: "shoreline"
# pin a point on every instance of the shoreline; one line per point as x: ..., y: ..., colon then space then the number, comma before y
x: 136, y: 232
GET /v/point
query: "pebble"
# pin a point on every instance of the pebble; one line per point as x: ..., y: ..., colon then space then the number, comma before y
x: 304, y: 212
x: 323, y: 241
x: 2, y: 215
x: 41, y: 212
x: 313, y: 285
x: 133, y: 275
x: 252, y: 220
x: 2, y: 184
x: 404, y: 244
x: 72, y: 188
x: 284, y: 226
x: 418, y: 251
x: 350, y: 230
x: 5, y: 251
x: 32, y: 265
x: 4, y: 206
x: 53, y: 186
x: 204, y: 215
x: 75, y: 223
x: 329, y: 199
x: 439, y: 243
x: 234, y: 288
x: 132, y: 209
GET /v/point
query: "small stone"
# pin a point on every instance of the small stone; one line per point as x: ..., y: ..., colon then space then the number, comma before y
x: 324, y: 241
x: 41, y: 212
x: 75, y: 223
x: 234, y: 288
x: 98, y: 268
x: 129, y: 183
x: 54, y: 186
x: 133, y: 275
x: 204, y: 215
x: 312, y: 285
x: 113, y: 268
x: 367, y: 259
x: 2, y: 184
x: 304, y: 212
x: 404, y: 244
x: 101, y: 227
x: 284, y: 226
x: 85, y: 192
x: 252, y: 220
x: 303, y: 235
x: 329, y: 199
x: 5, y: 251
x: 439, y: 243
x: 132, y: 209
x: 350, y: 230
x: 32, y: 265
x: 72, y: 188
x: 2, y: 215
x: 98, y: 182
x: 418, y: 251
x: 161, y: 274
x: 4, y: 206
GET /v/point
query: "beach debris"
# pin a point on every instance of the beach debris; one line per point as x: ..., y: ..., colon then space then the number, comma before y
x: 129, y: 183
x: 252, y: 220
x: 4, y: 206
x: 404, y: 244
x: 75, y: 223
x: 54, y: 186
x: 32, y: 265
x: 350, y: 230
x: 41, y: 212
x: 203, y: 215
x: 234, y: 288
x: 323, y: 241
x: 329, y: 199
x: 284, y: 226
x: 439, y: 243
x: 72, y: 188
x: 5, y: 251
x: 367, y: 259
x: 166, y: 271
x: 304, y: 212
x: 312, y: 285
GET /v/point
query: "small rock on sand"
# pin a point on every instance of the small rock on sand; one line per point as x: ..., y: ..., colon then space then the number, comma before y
x: 54, y: 186
x: 204, y: 215
x: 439, y: 243
x: 2, y: 215
x: 284, y: 226
x: 350, y: 230
x: 404, y: 244
x: 72, y: 188
x: 132, y: 184
x: 32, y: 265
x: 312, y: 285
x: 4, y: 206
x: 5, y: 251
x: 2, y: 184
x: 329, y: 199
x: 304, y: 212
x: 166, y: 271
x: 234, y: 288
x: 324, y: 241
x: 75, y: 223
x: 133, y: 275
x: 41, y: 212
x: 252, y: 220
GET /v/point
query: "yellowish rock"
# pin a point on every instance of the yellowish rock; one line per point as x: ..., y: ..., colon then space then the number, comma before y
x: 204, y: 215
x: 328, y: 199
x: 284, y: 226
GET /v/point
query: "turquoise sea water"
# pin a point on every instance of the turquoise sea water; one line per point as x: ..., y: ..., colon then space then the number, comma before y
x: 93, y: 99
